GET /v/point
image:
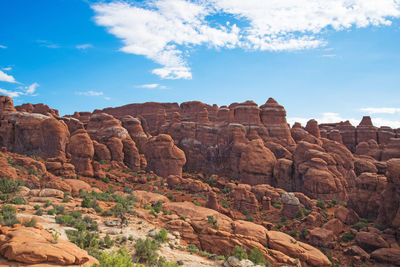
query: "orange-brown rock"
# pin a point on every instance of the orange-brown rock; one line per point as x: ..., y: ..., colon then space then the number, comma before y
x: 366, y: 130
x: 387, y: 255
x: 135, y: 130
x: 6, y: 104
x: 322, y: 237
x: 82, y: 152
x: 256, y: 163
x: 31, y: 245
x: 273, y: 116
x: 346, y: 216
x: 163, y: 157
x: 312, y: 128
x: 391, y: 149
x: 370, y: 241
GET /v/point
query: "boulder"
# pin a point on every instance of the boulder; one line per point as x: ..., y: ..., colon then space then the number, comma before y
x: 31, y: 245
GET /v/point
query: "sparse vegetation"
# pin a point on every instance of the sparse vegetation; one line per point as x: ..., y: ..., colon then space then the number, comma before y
x: 146, y: 251
x: 239, y: 252
x: 8, y: 215
x: 213, y: 221
x: 257, y: 257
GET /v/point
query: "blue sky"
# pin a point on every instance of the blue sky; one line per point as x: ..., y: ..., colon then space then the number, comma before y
x: 323, y: 59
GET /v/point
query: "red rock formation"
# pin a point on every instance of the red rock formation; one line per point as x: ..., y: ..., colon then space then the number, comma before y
x: 82, y: 152
x: 163, y: 157
x: 107, y: 130
x: 273, y: 116
x: 366, y: 130
x: 38, y: 108
x: 312, y: 128
x: 6, y: 104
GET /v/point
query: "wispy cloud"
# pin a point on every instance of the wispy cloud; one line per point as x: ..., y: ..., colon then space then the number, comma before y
x: 31, y: 89
x: 21, y: 90
x: 329, y: 55
x: 165, y: 30
x: 151, y: 86
x: 7, y: 68
x: 48, y: 44
x: 90, y: 93
x: 6, y: 78
x: 381, y: 110
x: 3, y: 46
x: 10, y: 93
x: 84, y: 46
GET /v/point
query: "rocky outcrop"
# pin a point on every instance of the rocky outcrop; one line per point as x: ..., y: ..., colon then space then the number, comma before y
x: 32, y: 246
x: 163, y: 157
x: 220, y: 234
x: 107, y: 130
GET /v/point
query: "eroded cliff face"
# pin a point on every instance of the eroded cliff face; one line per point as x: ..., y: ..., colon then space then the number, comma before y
x: 251, y: 144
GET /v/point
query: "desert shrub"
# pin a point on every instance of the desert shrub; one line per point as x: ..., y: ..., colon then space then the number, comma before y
x: 18, y: 201
x: 162, y: 262
x: 225, y: 190
x: 224, y: 203
x: 379, y: 227
x: 106, y: 213
x: 33, y: 172
x: 277, y: 205
x: 47, y: 204
x: 213, y: 221
x: 146, y: 251
x: 257, y: 257
x: 303, y: 233
x: 60, y: 209
x: 192, y: 248
x: 347, y: 237
x: 9, y: 186
x: 210, y: 181
x: 83, y: 239
x: 65, y: 220
x: 119, y: 258
x: 51, y: 212
x: 321, y: 204
x: 29, y: 223
x: 9, y: 215
x: 36, y: 207
x: 128, y: 190
x: 157, y: 206
x: 293, y: 233
x: 196, y: 203
x: 239, y: 252
x: 161, y: 236
x: 39, y: 212
x: 361, y: 224
x: 107, y: 242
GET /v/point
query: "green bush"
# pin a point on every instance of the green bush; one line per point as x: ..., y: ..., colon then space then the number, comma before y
x: 347, y: 237
x: 18, y: 201
x: 257, y: 257
x: 293, y: 233
x: 9, y: 215
x: 119, y: 258
x: 47, y: 204
x: 360, y: 225
x: 303, y: 233
x: 29, y: 223
x: 107, y: 242
x: 321, y: 204
x: 36, y: 207
x: 239, y: 253
x: 8, y: 186
x: 65, y: 220
x: 161, y: 236
x: 192, y: 248
x: 213, y: 221
x: 39, y: 212
x: 51, y: 212
x: 162, y: 262
x: 60, y: 209
x: 83, y: 239
x: 277, y: 205
x: 146, y: 251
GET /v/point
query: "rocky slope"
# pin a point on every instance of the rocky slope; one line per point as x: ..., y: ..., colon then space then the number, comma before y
x: 222, y: 178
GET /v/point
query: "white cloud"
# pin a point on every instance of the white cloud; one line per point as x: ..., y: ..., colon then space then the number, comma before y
x: 381, y: 110
x: 107, y: 98
x: 6, y: 78
x: 84, y: 46
x: 164, y: 30
x: 329, y: 55
x: 90, y: 93
x: 3, y: 46
x: 48, y: 44
x: 7, y: 68
x: 30, y: 90
x: 151, y: 86
x: 10, y: 93
x: 21, y: 90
